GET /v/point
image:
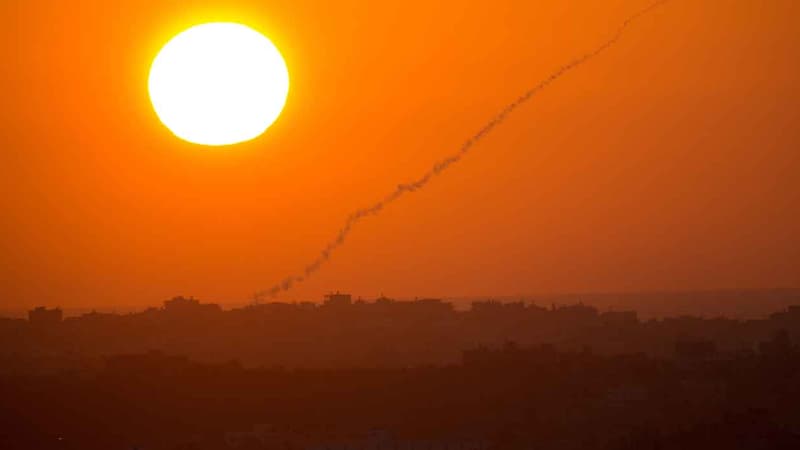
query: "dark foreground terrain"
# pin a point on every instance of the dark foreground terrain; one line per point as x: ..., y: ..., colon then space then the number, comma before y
x: 504, y: 398
x: 683, y: 383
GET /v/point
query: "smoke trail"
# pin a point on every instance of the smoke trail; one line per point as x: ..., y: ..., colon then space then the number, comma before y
x: 448, y: 162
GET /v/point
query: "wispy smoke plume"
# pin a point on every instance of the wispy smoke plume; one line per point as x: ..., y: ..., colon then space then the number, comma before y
x: 445, y: 163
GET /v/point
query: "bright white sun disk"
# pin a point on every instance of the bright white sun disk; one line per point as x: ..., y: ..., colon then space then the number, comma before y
x: 218, y: 84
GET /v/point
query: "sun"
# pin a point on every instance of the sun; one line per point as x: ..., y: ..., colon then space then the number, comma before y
x: 218, y: 84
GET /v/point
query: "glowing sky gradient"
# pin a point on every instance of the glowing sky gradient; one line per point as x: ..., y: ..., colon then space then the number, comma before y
x: 670, y: 164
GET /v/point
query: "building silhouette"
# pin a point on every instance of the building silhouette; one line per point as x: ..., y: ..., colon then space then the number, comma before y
x: 42, y: 317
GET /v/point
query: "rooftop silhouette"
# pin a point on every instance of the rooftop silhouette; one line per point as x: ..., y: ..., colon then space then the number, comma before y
x: 381, y: 333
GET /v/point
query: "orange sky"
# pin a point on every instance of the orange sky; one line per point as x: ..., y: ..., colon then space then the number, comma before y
x: 669, y: 162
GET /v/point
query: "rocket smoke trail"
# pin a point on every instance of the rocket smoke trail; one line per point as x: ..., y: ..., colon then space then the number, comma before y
x: 447, y: 162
